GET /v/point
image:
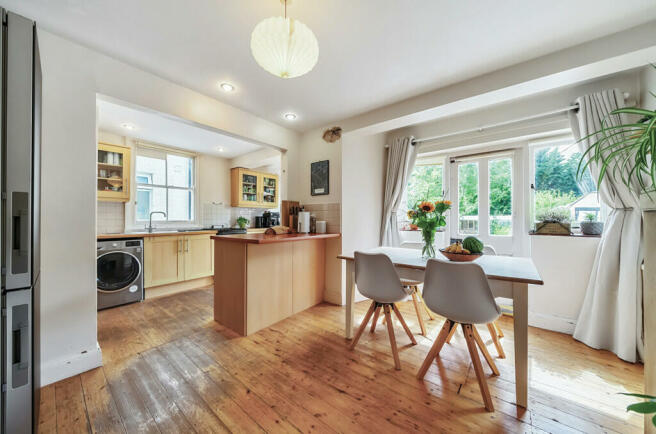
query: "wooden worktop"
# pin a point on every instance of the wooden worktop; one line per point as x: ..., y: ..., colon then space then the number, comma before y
x: 153, y: 234
x: 268, y: 239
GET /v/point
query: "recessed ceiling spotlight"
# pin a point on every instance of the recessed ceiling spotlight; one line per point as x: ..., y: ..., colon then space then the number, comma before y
x: 127, y: 126
x: 220, y: 149
x: 290, y: 116
x: 227, y: 87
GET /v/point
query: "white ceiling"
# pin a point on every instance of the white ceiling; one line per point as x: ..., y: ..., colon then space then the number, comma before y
x: 372, y: 52
x: 153, y: 127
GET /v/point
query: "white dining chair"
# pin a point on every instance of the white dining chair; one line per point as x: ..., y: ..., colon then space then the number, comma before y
x: 460, y: 292
x: 376, y: 278
x: 495, y: 331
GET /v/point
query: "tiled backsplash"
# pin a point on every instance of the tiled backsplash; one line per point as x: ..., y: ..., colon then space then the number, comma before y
x: 329, y: 212
x: 111, y: 217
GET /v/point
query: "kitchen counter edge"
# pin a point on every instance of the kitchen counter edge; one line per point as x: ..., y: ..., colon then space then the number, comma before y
x: 154, y: 234
x: 267, y: 239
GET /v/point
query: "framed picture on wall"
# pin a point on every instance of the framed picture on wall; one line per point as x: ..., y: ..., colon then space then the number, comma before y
x: 319, y: 178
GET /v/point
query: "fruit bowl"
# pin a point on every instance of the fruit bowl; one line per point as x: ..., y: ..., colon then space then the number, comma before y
x: 461, y: 257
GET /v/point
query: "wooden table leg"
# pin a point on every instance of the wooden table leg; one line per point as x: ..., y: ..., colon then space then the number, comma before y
x: 350, y: 299
x: 520, y: 324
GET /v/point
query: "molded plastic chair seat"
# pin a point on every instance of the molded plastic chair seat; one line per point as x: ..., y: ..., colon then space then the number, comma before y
x: 376, y: 278
x: 460, y: 292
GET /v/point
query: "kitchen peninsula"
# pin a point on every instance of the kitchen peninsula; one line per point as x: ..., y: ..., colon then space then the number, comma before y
x: 262, y: 279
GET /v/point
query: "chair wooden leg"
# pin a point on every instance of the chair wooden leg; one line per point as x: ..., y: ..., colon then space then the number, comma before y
x: 499, y: 331
x: 485, y: 352
x: 478, y: 368
x: 405, y: 326
x: 370, y: 312
x: 496, y: 341
x: 428, y: 311
x: 451, y: 333
x: 375, y: 320
x: 435, y: 349
x: 419, y: 318
x: 390, y: 331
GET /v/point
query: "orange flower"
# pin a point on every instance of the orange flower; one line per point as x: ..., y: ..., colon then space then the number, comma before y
x: 427, y: 206
x: 447, y: 202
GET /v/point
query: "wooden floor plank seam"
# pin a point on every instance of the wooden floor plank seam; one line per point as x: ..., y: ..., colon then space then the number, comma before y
x: 167, y: 364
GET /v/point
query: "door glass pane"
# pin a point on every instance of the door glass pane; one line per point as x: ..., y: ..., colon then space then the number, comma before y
x: 181, y: 205
x: 150, y: 199
x: 500, y: 196
x: 115, y: 271
x: 468, y: 198
x: 151, y: 170
x: 270, y: 187
x: 249, y: 187
x: 180, y: 171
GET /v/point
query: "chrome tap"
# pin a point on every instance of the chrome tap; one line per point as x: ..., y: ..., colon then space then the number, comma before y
x: 150, y: 220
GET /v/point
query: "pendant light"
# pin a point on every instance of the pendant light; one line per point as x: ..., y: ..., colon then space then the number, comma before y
x: 283, y: 46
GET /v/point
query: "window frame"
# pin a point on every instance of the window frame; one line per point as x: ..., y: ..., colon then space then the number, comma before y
x: 149, y: 150
x: 552, y: 142
x: 430, y: 160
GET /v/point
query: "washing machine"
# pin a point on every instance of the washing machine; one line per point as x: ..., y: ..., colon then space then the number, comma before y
x: 119, y: 278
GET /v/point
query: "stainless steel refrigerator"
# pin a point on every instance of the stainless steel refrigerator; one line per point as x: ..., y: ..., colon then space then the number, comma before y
x: 20, y: 157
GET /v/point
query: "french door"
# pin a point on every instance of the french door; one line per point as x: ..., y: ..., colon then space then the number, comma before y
x: 484, y: 194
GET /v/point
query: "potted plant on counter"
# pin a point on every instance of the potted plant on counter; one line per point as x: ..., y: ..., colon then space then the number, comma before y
x: 428, y: 217
x: 590, y: 226
x: 242, y: 222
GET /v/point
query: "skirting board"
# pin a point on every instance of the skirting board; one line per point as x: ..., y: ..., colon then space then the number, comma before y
x: 173, y: 288
x: 59, y: 369
x: 551, y: 322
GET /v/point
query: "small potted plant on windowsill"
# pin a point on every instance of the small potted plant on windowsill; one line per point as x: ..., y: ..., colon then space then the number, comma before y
x: 590, y: 226
x: 553, y: 222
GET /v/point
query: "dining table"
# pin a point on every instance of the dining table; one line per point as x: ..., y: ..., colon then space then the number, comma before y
x: 508, y: 276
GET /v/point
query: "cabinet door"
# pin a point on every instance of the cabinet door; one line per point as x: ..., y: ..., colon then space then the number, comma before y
x: 113, y: 173
x: 163, y: 260
x: 249, y: 187
x: 198, y: 254
x: 270, y: 190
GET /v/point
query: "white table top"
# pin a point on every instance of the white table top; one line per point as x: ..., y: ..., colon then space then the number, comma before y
x: 508, y: 268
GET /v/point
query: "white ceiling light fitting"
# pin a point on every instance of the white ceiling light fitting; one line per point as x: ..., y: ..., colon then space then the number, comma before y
x: 220, y: 149
x: 227, y: 87
x: 290, y: 116
x: 127, y: 126
x: 283, y: 46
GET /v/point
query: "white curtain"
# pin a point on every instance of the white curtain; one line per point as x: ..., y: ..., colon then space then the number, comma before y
x: 611, y: 315
x: 401, y: 156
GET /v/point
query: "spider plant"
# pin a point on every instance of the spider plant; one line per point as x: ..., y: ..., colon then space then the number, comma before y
x: 627, y: 151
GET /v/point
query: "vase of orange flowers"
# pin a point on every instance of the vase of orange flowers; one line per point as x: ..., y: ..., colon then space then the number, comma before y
x: 428, y: 217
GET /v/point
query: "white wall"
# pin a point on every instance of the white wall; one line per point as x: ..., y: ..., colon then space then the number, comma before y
x: 72, y: 77
x: 313, y: 148
x: 213, y: 179
x: 565, y: 264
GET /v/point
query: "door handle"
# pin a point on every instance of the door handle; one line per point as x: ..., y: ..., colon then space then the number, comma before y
x: 179, y: 246
x: 187, y: 245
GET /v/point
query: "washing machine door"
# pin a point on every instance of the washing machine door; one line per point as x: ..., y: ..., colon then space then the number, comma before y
x: 116, y: 271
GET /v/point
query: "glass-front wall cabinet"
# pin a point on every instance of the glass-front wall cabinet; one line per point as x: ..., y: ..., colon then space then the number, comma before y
x: 251, y: 189
x: 113, y: 172
x: 270, y: 190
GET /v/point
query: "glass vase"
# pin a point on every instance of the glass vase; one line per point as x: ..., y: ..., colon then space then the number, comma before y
x: 428, y: 236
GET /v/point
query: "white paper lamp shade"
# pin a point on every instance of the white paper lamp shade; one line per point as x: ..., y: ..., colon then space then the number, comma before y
x: 284, y: 47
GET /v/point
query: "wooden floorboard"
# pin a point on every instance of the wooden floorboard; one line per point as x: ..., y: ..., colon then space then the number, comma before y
x: 168, y: 367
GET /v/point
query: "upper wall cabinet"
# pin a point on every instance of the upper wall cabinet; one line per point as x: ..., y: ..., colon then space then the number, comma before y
x: 113, y: 172
x: 251, y: 189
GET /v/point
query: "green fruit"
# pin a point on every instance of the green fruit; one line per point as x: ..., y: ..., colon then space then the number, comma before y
x: 473, y: 244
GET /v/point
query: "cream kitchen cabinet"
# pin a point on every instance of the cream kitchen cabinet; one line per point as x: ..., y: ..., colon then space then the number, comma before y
x: 176, y: 258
